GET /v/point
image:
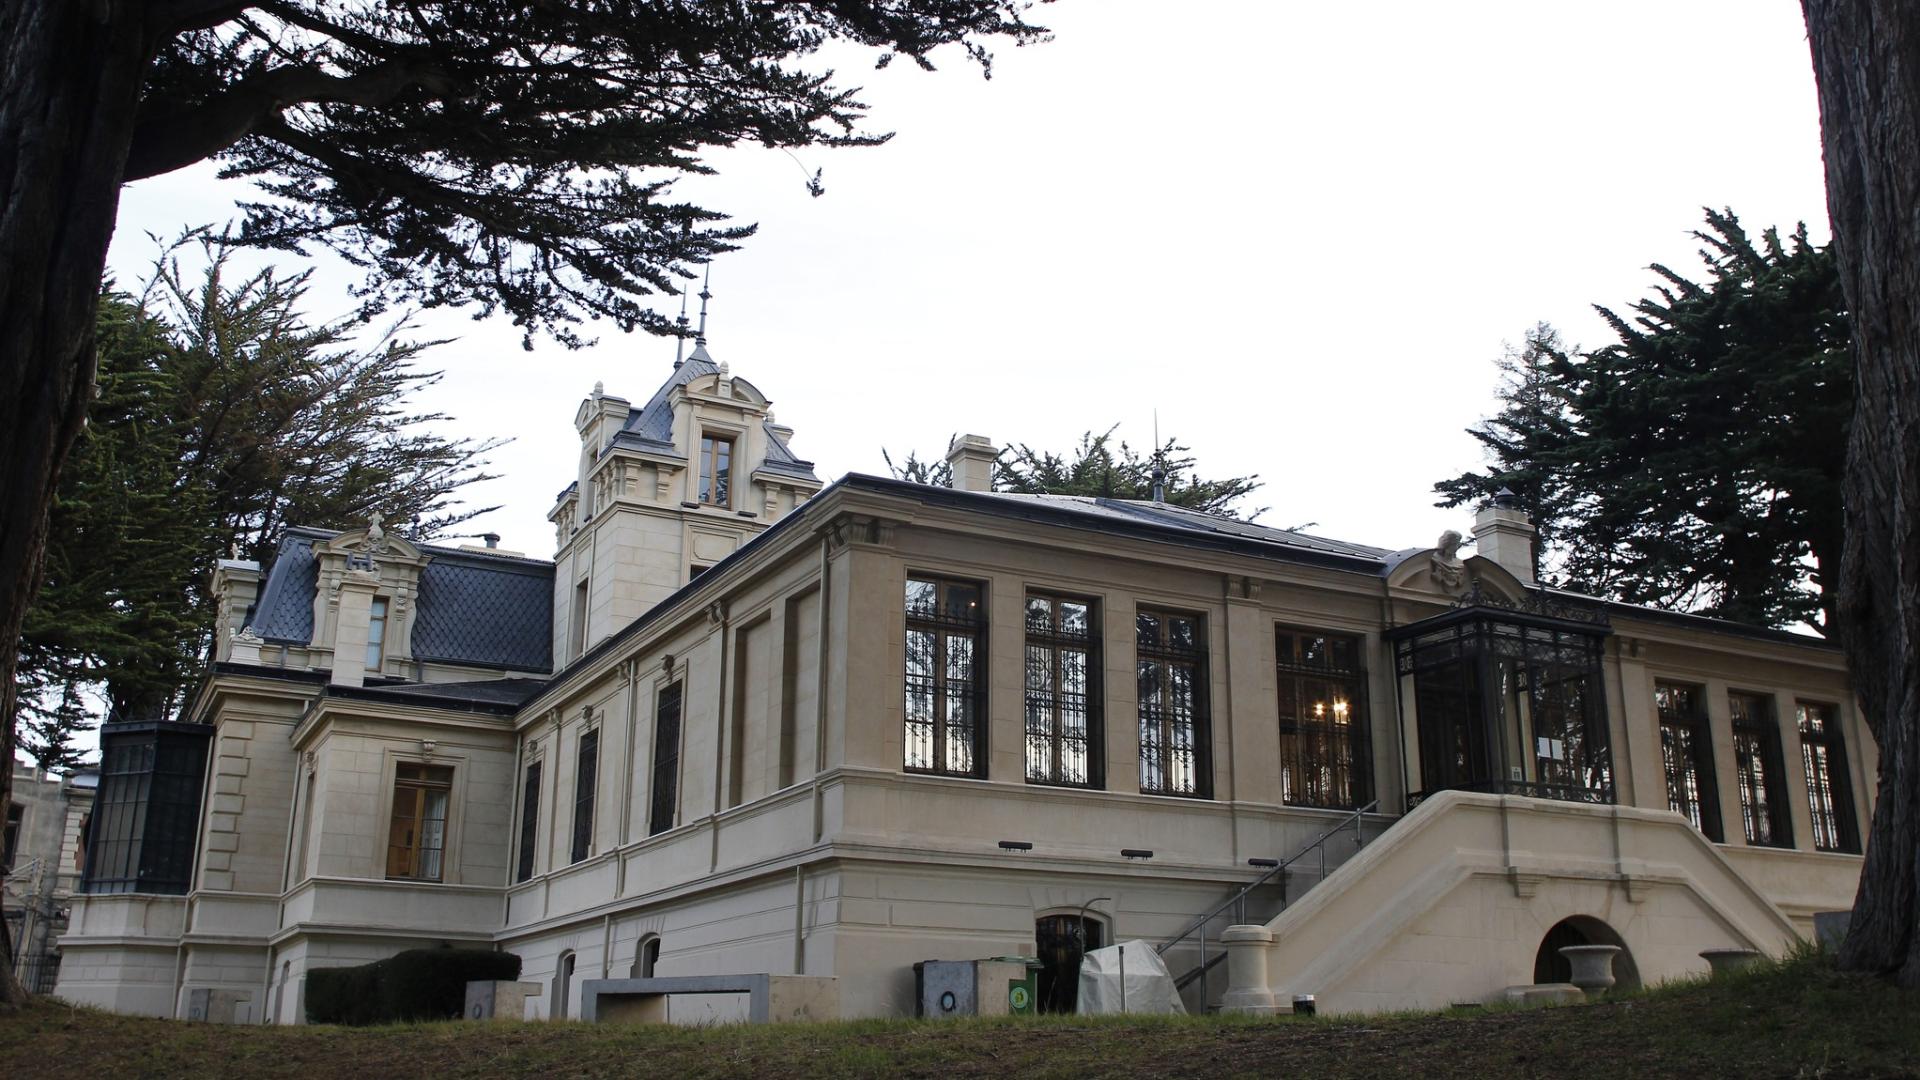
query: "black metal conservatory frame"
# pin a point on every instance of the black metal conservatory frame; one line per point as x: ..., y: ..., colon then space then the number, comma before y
x: 1509, y: 699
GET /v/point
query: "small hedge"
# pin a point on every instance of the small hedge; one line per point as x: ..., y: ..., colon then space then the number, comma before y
x: 419, y: 984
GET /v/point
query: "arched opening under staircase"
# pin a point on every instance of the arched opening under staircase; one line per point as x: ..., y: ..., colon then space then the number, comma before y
x: 1551, y: 967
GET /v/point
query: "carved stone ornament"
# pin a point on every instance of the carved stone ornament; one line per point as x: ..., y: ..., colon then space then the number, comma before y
x: 1536, y: 602
x: 376, y: 541
x: 246, y: 635
x: 1445, y: 564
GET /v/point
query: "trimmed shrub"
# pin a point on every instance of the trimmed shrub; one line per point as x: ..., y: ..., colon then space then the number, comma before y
x: 419, y: 984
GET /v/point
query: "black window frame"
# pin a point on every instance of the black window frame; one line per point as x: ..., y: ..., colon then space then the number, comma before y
x: 529, y: 819
x: 586, y: 789
x: 1698, y: 760
x: 946, y: 627
x: 664, y: 793
x: 1156, y: 661
x: 1296, y: 666
x: 1047, y: 709
x: 1756, y: 742
x: 144, y: 830
x: 1835, y: 827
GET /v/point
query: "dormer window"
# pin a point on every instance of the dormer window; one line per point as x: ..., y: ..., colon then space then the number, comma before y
x: 716, y: 470
x: 377, y: 633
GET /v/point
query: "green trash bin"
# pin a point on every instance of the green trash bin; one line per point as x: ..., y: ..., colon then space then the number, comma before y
x: 1023, y: 993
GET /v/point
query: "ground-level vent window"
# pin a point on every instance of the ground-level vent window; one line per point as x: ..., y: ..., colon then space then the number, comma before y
x: 1757, y: 766
x: 646, y: 959
x: 945, y: 628
x: 1063, y: 715
x: 417, y: 835
x: 1686, y: 756
x: 1323, y: 720
x: 1171, y: 669
x: 1829, y: 795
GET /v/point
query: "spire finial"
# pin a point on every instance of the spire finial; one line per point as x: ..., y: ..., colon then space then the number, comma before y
x: 680, y: 343
x: 700, y: 338
x: 1159, y: 463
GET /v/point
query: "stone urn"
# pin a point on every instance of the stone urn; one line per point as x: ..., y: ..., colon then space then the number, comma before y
x: 1592, y: 967
x: 1726, y: 961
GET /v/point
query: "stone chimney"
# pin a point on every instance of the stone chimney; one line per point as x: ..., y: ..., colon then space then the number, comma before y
x: 1503, y: 533
x: 350, y: 627
x: 971, y: 458
x: 236, y: 585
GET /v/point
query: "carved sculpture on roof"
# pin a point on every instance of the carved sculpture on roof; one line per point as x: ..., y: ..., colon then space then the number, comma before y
x: 376, y: 535
x: 1445, y: 563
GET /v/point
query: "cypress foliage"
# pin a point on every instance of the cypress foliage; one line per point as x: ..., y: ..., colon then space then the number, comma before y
x: 1695, y: 464
x: 1100, y: 467
x: 222, y: 417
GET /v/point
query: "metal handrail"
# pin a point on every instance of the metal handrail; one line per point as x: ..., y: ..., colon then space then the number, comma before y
x: 1273, y: 871
x: 1238, y: 900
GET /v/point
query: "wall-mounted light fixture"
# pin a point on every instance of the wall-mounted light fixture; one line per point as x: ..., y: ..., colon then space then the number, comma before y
x: 1135, y: 853
x: 1264, y: 864
x: 1015, y: 845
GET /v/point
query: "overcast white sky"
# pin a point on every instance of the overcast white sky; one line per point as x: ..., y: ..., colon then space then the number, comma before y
x: 1300, y: 231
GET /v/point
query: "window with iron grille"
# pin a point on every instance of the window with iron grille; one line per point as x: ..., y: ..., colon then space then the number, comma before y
x: 1829, y: 795
x: 666, y: 760
x: 946, y: 627
x: 1757, y: 768
x: 1324, y: 749
x: 1064, y: 735
x: 417, y: 832
x: 586, y: 782
x: 1686, y: 755
x: 529, y: 820
x: 1175, y: 740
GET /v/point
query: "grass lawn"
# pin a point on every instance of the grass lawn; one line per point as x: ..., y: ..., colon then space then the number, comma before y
x: 1796, y: 1019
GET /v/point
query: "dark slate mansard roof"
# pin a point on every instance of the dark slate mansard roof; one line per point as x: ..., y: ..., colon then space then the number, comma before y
x: 475, y: 609
x: 650, y: 427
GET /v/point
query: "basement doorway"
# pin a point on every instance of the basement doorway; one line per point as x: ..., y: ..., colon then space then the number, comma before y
x: 1060, y: 943
x: 1551, y: 967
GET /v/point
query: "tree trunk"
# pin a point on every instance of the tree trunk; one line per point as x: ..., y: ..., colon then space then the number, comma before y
x: 1866, y: 60
x: 70, y: 75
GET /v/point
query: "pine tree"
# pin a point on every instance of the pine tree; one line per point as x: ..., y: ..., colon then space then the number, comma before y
x: 1695, y: 464
x: 1535, y: 421
x: 1099, y: 467
x: 222, y: 417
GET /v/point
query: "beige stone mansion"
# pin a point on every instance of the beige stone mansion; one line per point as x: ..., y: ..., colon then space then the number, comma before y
x: 744, y: 722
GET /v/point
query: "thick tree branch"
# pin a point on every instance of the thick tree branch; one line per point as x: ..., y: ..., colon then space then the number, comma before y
x: 180, y: 136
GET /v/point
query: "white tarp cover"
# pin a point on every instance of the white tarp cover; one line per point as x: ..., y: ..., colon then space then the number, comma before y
x: 1149, y: 987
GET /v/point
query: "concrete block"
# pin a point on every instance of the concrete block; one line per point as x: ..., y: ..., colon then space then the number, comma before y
x: 499, y: 999
x: 212, y: 1006
x: 774, y: 998
x: 1532, y: 995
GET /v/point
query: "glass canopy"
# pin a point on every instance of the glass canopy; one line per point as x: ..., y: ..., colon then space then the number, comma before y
x: 1509, y: 700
